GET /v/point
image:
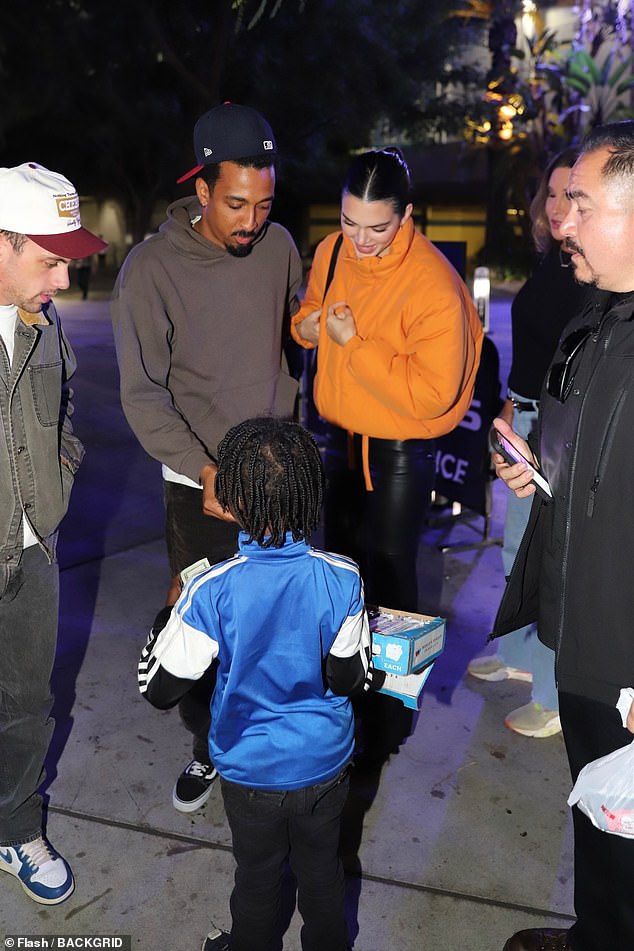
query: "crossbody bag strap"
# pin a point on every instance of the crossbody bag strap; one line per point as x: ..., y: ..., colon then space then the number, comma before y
x: 333, y: 264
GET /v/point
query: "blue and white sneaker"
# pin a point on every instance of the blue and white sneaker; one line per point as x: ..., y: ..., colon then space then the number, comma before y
x: 44, y: 875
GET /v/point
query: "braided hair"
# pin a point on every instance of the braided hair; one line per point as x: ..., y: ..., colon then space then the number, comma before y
x: 271, y: 479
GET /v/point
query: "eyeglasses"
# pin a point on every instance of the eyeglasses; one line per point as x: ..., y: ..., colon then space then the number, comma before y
x: 561, y: 375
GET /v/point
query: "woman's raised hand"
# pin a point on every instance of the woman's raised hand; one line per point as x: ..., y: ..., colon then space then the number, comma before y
x: 308, y: 328
x: 340, y: 323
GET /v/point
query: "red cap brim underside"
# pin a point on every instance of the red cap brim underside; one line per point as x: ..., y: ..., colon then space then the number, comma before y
x: 189, y: 174
x: 71, y: 244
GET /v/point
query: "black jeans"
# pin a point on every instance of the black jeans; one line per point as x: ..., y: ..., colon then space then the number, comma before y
x: 190, y: 536
x: 381, y: 530
x: 603, y: 863
x: 302, y: 826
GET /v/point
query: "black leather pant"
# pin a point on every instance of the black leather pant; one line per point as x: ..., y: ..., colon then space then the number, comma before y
x: 381, y: 530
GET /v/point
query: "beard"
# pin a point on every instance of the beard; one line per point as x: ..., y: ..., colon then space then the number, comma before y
x: 238, y: 250
x: 32, y: 305
x: 572, y: 247
x: 242, y: 250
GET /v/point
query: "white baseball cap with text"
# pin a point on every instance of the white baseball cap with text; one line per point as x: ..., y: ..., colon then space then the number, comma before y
x: 44, y: 206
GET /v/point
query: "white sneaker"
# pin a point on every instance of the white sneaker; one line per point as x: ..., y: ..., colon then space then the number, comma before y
x: 492, y: 668
x: 44, y: 875
x: 534, y: 720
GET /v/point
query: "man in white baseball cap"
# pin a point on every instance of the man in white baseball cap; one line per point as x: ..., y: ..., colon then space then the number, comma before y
x: 40, y: 232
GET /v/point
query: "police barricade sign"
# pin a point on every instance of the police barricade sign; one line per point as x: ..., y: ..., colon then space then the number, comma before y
x: 462, y: 456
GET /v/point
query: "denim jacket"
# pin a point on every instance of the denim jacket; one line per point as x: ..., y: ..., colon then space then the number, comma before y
x: 40, y: 453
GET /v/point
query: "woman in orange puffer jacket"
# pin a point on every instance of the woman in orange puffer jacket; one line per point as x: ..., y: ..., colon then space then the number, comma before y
x: 399, y: 344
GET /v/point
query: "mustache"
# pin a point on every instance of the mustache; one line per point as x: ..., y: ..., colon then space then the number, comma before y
x: 570, y: 245
x: 245, y: 234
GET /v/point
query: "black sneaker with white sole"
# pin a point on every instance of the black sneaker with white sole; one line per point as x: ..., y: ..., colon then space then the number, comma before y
x: 193, y: 786
x: 216, y: 940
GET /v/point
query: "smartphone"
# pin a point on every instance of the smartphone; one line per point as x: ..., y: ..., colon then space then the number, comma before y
x: 500, y: 444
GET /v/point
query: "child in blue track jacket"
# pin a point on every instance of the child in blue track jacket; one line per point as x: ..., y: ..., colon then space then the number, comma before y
x: 288, y: 626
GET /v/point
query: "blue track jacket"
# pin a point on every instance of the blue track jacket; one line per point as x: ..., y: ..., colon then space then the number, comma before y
x: 290, y: 631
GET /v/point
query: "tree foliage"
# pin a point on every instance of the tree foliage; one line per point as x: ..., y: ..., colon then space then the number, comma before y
x: 538, y: 100
x: 109, y: 93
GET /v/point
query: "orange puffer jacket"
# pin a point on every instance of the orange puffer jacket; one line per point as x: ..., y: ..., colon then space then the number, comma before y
x: 410, y: 370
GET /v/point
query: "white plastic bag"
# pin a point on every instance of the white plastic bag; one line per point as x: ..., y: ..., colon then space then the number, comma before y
x: 605, y: 792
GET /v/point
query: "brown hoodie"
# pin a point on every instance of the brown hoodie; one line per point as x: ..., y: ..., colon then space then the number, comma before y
x: 198, y: 334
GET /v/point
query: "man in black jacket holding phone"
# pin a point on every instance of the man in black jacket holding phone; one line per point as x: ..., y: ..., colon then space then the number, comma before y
x: 572, y: 573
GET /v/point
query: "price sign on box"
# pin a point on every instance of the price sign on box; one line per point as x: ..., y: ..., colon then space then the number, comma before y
x: 404, y: 642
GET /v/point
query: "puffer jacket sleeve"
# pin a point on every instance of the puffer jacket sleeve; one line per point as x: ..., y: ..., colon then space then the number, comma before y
x: 314, y: 295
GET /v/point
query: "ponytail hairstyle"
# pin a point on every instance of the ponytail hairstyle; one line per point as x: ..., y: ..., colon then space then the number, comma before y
x: 380, y: 176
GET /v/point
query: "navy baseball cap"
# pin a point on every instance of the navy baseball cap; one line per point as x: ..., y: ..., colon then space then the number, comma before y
x: 230, y: 132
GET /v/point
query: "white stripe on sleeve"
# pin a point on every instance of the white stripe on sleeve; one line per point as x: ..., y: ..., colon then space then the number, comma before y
x: 353, y: 636
x: 181, y: 650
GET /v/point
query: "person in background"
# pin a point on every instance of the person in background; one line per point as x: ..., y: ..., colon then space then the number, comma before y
x: 548, y: 300
x: 40, y: 234
x: 288, y: 625
x: 199, y: 313
x: 399, y: 343
x: 573, y: 571
x: 83, y: 271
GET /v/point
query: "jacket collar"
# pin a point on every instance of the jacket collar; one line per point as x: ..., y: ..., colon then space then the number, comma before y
x: 381, y: 267
x: 288, y: 548
x: 32, y: 320
x: 622, y: 305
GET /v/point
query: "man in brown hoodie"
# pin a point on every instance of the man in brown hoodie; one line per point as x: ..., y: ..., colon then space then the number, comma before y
x: 199, y: 312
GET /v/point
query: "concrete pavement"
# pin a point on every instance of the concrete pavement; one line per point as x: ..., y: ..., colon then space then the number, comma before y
x: 462, y: 839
